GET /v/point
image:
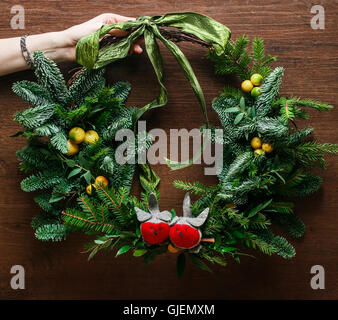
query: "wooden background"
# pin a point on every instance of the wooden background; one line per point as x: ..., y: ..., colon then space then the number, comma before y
x: 60, y: 271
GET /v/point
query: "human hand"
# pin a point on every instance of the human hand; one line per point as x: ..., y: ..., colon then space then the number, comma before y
x: 75, y: 33
x: 58, y: 46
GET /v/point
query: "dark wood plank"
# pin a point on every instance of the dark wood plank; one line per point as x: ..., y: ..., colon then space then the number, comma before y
x: 60, y: 271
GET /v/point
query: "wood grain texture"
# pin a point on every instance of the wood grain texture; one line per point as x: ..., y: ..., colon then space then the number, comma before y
x: 60, y: 271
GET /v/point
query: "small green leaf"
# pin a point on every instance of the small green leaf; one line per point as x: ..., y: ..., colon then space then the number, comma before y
x: 238, y: 118
x: 242, y: 103
x: 98, y: 241
x: 228, y: 249
x: 74, y: 172
x: 173, y: 213
x: 56, y: 198
x: 232, y: 110
x: 88, y: 177
x: 198, y: 262
x: 259, y: 208
x: 253, y: 113
x: 70, y: 163
x: 139, y: 252
x: 122, y: 250
x: 180, y: 265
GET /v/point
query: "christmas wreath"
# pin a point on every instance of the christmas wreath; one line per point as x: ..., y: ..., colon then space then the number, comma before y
x: 71, y: 147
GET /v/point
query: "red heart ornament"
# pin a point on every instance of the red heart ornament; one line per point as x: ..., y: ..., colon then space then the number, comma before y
x: 184, y: 236
x: 154, y: 233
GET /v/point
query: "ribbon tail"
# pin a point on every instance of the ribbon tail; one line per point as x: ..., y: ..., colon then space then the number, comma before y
x: 155, y: 57
x: 188, y: 72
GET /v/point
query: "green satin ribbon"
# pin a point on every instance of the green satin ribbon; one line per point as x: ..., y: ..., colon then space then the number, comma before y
x: 215, y: 34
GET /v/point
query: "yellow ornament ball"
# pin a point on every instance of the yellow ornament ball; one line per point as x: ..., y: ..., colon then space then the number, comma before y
x: 258, y: 152
x: 256, y: 79
x: 89, y: 189
x: 73, y: 148
x: 267, y: 147
x: 76, y: 135
x: 256, y: 143
x: 91, y: 137
x: 247, y: 86
x: 102, y: 181
x: 172, y: 249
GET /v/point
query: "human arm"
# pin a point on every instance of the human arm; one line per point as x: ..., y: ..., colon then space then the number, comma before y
x: 58, y: 46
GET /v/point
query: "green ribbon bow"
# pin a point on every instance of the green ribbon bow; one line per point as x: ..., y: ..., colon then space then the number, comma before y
x: 215, y: 34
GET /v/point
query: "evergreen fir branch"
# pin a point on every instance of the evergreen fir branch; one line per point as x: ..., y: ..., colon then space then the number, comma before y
x: 232, y: 93
x: 241, y: 163
x: 236, y: 59
x: 258, y: 50
x: 61, y: 191
x: 287, y: 109
x: 44, y: 219
x: 320, y: 106
x: 238, y: 194
x: 294, y: 178
x: 292, y: 224
x: 123, y: 175
x: 122, y: 90
x: 71, y: 115
x: 220, y: 105
x: 311, y: 154
x: 89, y: 208
x: 296, y: 138
x: 51, y: 232
x: 310, y: 184
x: 269, y: 89
x: 257, y: 242
x: 113, y: 201
x: 34, y: 117
x: 212, y: 227
x: 260, y: 222
x: 272, y: 128
x: 238, y: 218
x: 59, y: 141
x: 123, y: 121
x: 283, y: 248
x: 42, y: 180
x: 196, y: 187
x: 108, y: 164
x: 32, y: 93
x: 261, y: 62
x: 81, y: 221
x: 47, y: 130
x: 282, y: 207
x: 42, y: 199
x: 37, y: 157
x: 50, y: 77
x: 87, y: 83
